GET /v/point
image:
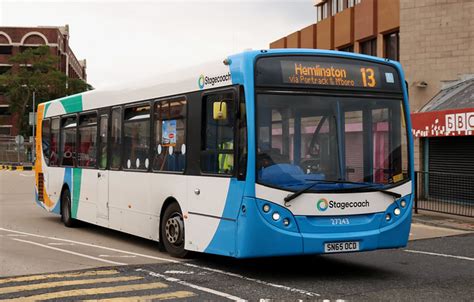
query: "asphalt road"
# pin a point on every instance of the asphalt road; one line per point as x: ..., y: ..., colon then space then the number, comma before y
x: 90, y: 262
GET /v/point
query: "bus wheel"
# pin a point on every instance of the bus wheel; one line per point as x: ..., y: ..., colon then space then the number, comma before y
x: 172, y: 231
x: 66, y: 216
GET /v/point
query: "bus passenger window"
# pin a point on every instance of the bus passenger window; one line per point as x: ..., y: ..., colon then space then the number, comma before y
x: 46, y: 139
x: 217, y: 150
x: 54, y: 144
x: 103, y: 129
x: 87, y: 149
x: 68, y: 141
x: 116, y: 139
x: 170, y: 135
x: 136, y: 128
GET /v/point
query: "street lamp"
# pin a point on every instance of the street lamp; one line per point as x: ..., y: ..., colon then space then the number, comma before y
x: 33, y: 149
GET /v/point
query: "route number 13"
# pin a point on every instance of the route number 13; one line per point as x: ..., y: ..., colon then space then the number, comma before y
x: 368, y: 77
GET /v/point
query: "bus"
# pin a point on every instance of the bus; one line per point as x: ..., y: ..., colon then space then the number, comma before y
x: 266, y: 153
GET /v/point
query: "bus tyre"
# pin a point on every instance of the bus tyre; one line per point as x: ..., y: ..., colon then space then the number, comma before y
x: 66, y: 215
x: 172, y: 231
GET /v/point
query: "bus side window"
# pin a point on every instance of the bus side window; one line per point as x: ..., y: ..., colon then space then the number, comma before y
x: 46, y: 139
x: 68, y: 141
x: 170, y: 135
x: 54, y: 143
x: 116, y: 139
x: 217, y: 149
x: 87, y: 149
x: 136, y: 130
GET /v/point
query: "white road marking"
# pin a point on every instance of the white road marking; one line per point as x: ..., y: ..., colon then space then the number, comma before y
x: 60, y: 243
x: 441, y: 255
x: 275, y: 285
x: 179, y: 272
x: 204, y: 289
x: 118, y: 256
x: 69, y: 252
x: 27, y: 175
x: 16, y: 235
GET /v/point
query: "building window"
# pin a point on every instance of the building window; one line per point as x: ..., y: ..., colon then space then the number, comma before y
x: 6, y: 49
x: 392, y: 46
x: 170, y: 135
x: 5, y: 69
x: 5, y: 130
x: 369, y: 47
x: 136, y: 135
x: 349, y: 48
x: 325, y: 10
x: 68, y: 141
x: 87, y: 151
x: 116, y: 139
x: 217, y: 149
x: 4, y: 111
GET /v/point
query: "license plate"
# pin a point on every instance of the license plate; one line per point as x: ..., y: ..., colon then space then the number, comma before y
x: 339, y: 247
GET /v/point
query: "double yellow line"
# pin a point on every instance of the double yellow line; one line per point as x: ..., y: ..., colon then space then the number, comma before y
x: 82, y: 293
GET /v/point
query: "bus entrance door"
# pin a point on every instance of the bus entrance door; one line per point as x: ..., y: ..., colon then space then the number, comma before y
x: 102, y: 173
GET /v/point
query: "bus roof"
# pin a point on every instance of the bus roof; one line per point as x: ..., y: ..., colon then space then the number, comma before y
x: 210, y: 75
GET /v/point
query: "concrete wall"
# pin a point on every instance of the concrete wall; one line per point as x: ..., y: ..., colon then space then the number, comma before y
x: 436, y: 44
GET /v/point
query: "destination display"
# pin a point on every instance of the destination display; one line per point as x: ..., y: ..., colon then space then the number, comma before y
x: 326, y: 72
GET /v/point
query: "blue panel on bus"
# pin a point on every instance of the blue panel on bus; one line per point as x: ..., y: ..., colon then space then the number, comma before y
x: 257, y: 238
x: 223, y: 242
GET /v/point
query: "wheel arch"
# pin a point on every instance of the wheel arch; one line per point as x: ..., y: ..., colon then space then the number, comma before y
x: 64, y: 187
x: 168, y: 201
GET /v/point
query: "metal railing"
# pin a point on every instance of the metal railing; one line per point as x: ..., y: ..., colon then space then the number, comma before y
x: 13, y: 153
x: 450, y: 193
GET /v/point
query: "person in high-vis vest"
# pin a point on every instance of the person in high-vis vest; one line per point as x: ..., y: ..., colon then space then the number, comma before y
x: 226, y: 160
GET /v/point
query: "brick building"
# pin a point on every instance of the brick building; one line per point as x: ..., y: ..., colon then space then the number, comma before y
x: 14, y: 40
x: 433, y: 40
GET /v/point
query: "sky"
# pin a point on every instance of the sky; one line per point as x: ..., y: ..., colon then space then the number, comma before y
x: 133, y: 40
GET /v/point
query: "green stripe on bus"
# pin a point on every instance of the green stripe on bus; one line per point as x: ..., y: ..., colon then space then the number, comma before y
x: 72, y: 103
x: 76, y: 183
x: 46, y: 107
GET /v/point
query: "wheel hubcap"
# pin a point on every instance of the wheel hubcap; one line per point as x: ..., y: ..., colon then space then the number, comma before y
x: 174, y: 229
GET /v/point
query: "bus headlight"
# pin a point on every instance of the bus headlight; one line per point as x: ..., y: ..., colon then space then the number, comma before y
x: 396, y: 211
x: 276, y: 216
x: 266, y: 208
x: 403, y: 203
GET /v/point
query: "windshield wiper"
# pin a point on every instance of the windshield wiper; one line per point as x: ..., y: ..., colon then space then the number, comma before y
x: 292, y: 196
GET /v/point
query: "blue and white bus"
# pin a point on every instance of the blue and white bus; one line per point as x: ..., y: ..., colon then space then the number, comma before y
x: 272, y: 152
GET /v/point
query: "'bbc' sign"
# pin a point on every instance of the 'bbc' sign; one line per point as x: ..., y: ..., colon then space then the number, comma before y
x: 460, y: 122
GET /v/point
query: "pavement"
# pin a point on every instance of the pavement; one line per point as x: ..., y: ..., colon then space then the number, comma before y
x: 41, y: 259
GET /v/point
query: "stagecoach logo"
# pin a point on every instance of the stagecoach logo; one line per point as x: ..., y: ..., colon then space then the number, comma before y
x: 201, y: 81
x: 204, y: 81
x: 322, y: 204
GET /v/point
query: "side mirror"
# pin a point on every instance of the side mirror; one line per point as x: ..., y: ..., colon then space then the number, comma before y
x: 220, y: 110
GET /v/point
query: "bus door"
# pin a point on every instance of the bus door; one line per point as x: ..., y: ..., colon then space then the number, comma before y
x: 208, y: 193
x: 103, y: 173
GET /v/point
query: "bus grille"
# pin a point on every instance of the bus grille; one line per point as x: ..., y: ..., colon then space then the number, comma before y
x: 40, y: 187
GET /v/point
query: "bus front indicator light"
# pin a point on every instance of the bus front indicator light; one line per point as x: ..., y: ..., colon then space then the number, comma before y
x: 403, y: 203
x: 266, y: 208
x: 388, y: 217
x: 276, y: 216
x: 286, y: 222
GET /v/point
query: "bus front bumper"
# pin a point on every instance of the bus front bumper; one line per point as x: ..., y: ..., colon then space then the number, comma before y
x: 259, y: 235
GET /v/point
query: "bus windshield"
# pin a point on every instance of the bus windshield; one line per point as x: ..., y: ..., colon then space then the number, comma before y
x: 339, y: 143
